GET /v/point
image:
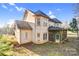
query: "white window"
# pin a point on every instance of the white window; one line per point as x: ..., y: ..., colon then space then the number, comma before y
x: 38, y: 35
x: 45, y: 36
x: 56, y: 24
x: 44, y: 23
x: 38, y: 21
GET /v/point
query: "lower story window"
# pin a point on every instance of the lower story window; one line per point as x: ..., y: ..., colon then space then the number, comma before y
x: 26, y: 34
x: 38, y: 35
x: 45, y: 36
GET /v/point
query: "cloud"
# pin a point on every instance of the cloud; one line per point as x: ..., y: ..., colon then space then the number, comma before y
x: 52, y: 16
x: 4, y: 6
x: 11, y: 4
x: 58, y: 9
x: 16, y: 7
x: 19, y: 8
x: 50, y: 13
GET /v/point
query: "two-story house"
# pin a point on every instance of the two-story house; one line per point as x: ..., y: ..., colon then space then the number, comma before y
x: 37, y: 27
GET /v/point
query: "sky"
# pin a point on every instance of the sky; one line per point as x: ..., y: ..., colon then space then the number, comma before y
x: 9, y: 12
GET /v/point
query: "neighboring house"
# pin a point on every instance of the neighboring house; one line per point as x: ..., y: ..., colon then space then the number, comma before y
x: 37, y: 27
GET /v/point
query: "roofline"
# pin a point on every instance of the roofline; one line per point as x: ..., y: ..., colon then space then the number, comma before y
x: 55, y: 22
x: 38, y: 15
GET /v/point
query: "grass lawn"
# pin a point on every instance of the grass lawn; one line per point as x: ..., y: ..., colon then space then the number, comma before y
x: 8, y: 48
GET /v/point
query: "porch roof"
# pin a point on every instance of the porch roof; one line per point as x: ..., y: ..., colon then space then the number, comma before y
x: 23, y: 25
x: 56, y: 28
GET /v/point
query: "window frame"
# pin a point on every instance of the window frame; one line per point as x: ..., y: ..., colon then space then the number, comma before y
x: 45, y: 23
x: 38, y: 22
x: 44, y: 36
x: 38, y: 35
x: 26, y: 35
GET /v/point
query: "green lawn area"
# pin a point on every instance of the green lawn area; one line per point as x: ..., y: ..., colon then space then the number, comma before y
x: 8, y: 48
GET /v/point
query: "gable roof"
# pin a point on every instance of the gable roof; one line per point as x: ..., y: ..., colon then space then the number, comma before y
x: 55, y: 20
x: 40, y: 13
x: 23, y: 25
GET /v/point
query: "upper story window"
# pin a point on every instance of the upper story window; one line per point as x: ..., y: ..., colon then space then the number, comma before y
x: 38, y: 21
x: 57, y: 25
x: 44, y: 23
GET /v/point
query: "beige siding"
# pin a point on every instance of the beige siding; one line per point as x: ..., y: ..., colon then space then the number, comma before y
x: 31, y: 20
x: 20, y: 36
x: 17, y: 34
x: 51, y: 23
x: 25, y: 38
x: 54, y: 24
x: 41, y: 29
x: 30, y: 17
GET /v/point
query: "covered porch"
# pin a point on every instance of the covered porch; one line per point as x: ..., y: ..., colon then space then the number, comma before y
x: 57, y: 34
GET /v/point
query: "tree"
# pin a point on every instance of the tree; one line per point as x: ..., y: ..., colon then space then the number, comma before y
x: 73, y: 25
x: 7, y: 30
x: 76, y: 14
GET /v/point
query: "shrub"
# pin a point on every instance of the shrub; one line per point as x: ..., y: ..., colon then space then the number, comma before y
x: 0, y: 36
x: 5, y: 45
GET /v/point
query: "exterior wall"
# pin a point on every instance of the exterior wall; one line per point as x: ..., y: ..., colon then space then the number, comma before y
x: 17, y: 35
x: 31, y: 20
x: 33, y: 31
x: 57, y: 24
x: 20, y: 36
x: 51, y: 23
x: 24, y: 38
x: 41, y: 29
x: 29, y: 17
x: 36, y: 29
x: 54, y: 24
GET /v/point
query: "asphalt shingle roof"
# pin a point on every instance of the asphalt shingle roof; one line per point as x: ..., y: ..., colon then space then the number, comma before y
x: 55, y: 28
x: 43, y: 14
x: 23, y: 25
x: 55, y: 20
x: 40, y: 13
